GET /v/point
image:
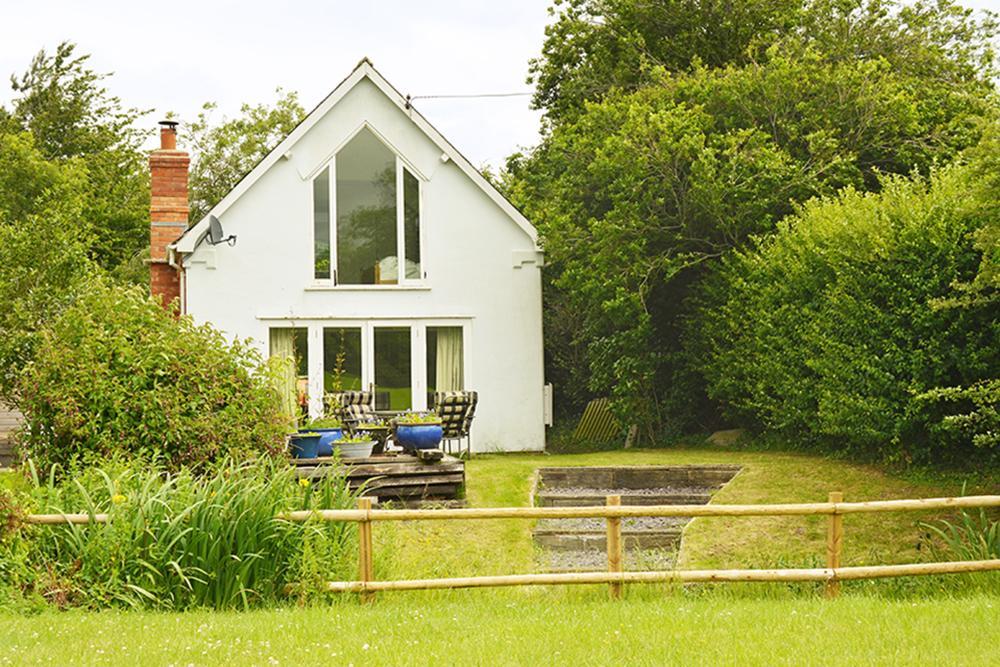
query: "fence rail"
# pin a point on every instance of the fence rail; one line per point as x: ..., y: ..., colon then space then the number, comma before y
x: 835, y: 509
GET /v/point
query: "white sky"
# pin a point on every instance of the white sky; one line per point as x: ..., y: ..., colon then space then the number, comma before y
x: 176, y: 55
x: 173, y: 56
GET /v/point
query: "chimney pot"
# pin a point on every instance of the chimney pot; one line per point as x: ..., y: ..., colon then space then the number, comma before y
x: 168, y: 135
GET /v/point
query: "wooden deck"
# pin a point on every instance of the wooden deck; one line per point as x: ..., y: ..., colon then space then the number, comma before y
x: 400, y: 478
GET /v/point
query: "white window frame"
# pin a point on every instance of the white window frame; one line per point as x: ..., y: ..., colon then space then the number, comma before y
x: 418, y: 352
x: 401, y: 163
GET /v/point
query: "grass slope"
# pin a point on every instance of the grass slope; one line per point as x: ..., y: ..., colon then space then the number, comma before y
x: 504, y: 546
x: 522, y: 631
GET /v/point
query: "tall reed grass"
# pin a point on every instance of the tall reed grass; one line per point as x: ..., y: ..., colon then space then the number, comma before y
x: 177, y: 541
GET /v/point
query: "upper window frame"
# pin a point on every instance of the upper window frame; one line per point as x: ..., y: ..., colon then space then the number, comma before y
x: 330, y: 162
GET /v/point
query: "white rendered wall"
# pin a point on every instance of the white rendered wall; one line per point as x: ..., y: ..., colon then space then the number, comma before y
x: 483, y: 271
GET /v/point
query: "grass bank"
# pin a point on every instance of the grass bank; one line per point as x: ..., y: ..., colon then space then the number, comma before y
x: 433, y: 549
x: 520, y: 629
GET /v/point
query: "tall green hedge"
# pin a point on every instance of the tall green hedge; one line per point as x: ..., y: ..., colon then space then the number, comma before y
x: 115, y: 373
x: 827, y: 331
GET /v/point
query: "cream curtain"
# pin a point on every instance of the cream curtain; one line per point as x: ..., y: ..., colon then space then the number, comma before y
x: 449, y: 359
x: 283, y: 349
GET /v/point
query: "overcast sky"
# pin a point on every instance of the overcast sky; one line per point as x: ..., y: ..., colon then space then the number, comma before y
x: 174, y: 56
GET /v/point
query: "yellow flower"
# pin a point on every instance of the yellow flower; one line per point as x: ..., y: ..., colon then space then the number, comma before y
x: 304, y: 482
x: 118, y: 499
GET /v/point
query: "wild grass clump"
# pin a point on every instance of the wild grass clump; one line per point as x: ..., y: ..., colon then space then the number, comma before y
x: 178, y: 540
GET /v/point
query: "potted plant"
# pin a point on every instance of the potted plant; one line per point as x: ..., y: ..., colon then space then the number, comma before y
x: 331, y: 428
x: 354, y: 447
x: 418, y: 430
x: 373, y: 428
x: 305, y: 444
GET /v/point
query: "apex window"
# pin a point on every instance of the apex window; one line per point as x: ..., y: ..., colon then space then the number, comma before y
x: 366, y: 206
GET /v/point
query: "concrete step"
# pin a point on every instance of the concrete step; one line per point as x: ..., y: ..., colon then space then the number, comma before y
x: 585, y: 534
x: 557, y: 498
x: 636, y: 477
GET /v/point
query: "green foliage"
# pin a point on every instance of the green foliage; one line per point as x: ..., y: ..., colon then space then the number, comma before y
x: 225, y: 152
x: 63, y: 104
x: 639, y: 196
x: 176, y: 541
x: 418, y: 418
x: 596, y: 46
x: 44, y: 247
x: 323, y: 422
x: 115, y: 373
x: 974, y: 536
x: 824, y: 331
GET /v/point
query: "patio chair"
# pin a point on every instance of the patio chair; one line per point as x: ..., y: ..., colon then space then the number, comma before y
x: 456, y: 409
x: 352, y: 407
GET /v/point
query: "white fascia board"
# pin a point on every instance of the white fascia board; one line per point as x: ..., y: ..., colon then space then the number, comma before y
x: 187, y: 243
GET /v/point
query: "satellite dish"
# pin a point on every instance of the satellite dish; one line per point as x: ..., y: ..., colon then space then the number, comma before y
x: 215, y: 233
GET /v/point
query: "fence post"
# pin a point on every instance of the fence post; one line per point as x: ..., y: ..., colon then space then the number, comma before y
x: 615, y: 547
x: 834, y: 542
x: 365, y: 569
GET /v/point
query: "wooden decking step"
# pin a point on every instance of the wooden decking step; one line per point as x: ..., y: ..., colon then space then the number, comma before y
x: 399, y: 478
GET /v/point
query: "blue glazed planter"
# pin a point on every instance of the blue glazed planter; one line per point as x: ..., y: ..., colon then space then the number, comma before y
x: 305, y: 445
x: 328, y: 437
x: 418, y: 436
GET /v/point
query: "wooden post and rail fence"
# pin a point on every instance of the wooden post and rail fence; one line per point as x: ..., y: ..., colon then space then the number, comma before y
x: 831, y: 575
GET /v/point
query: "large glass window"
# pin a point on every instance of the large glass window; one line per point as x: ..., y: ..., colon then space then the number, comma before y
x: 342, y: 359
x: 321, y: 225
x: 377, y: 204
x: 393, y: 370
x: 366, y: 212
x: 445, y: 368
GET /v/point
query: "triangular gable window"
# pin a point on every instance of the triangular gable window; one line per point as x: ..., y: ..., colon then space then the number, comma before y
x: 366, y: 216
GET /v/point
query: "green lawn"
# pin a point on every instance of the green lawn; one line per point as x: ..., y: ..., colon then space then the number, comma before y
x: 525, y: 629
x: 900, y: 622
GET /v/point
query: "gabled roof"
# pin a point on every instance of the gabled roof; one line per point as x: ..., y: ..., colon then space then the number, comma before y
x: 364, y: 70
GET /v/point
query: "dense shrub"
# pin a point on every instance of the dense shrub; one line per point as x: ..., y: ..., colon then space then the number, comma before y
x: 826, y: 330
x: 178, y: 540
x: 116, y: 373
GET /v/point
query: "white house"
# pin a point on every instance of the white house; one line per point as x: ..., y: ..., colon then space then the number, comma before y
x: 368, y: 244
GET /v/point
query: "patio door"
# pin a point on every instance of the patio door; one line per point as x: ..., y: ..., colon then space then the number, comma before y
x: 402, y: 361
x: 392, y: 367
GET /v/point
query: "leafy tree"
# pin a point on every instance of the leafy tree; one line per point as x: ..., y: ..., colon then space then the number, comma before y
x: 639, y: 196
x: 72, y: 116
x: 44, y: 247
x: 595, y: 46
x: 225, y: 152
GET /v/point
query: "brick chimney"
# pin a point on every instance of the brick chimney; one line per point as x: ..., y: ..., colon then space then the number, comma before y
x: 168, y: 211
